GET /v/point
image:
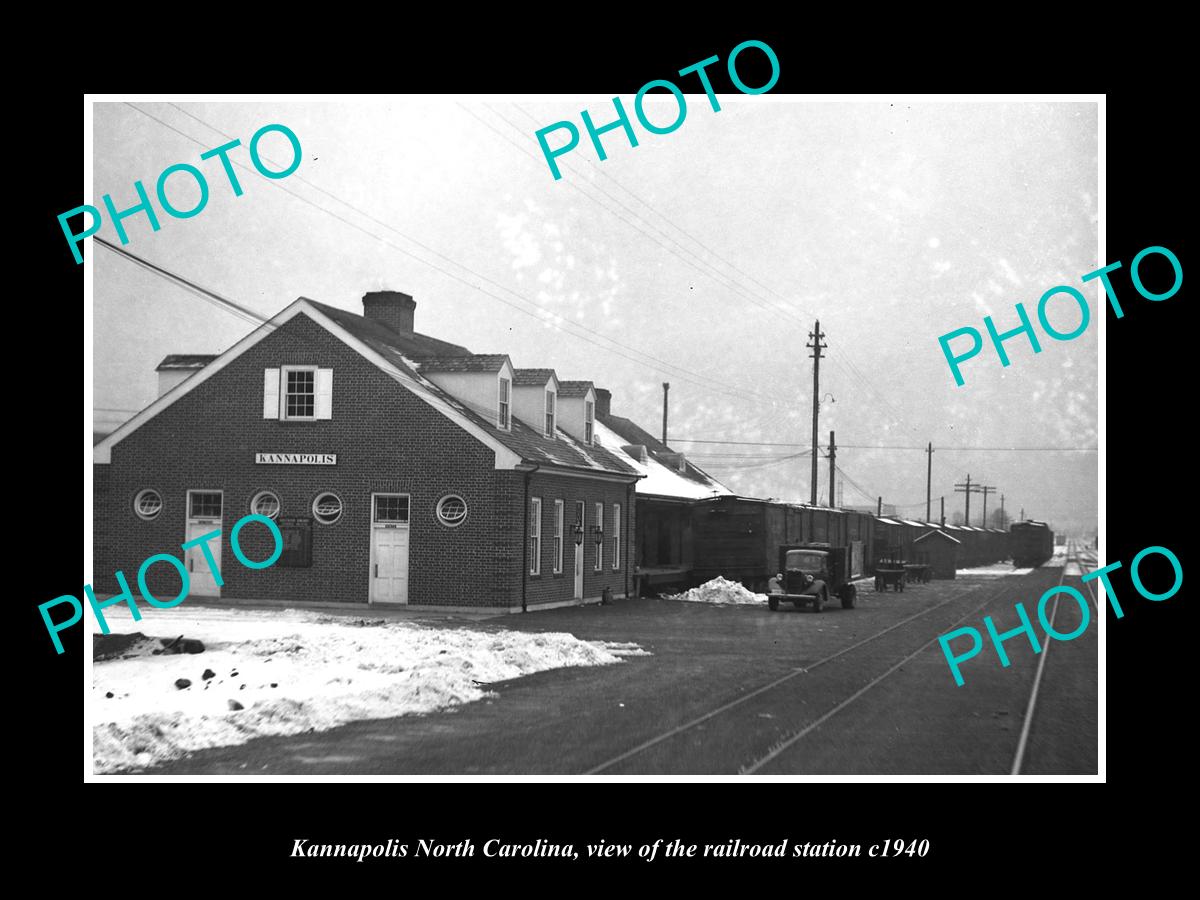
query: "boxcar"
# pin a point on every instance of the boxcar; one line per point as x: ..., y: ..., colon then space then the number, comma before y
x: 1031, y: 543
x: 739, y: 537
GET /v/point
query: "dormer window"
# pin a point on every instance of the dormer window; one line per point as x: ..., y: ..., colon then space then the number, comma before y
x: 589, y: 422
x: 502, y: 413
x: 550, y: 400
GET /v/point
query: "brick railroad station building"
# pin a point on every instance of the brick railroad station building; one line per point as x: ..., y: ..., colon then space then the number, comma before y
x: 399, y: 468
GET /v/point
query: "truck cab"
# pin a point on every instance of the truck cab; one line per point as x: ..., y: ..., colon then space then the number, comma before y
x: 811, y: 574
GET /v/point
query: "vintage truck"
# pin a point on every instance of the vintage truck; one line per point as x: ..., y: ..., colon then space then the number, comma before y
x: 811, y: 574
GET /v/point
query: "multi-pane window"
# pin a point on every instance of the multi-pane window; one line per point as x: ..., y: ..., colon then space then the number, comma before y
x: 550, y: 398
x: 589, y: 418
x: 204, y: 504
x: 300, y: 394
x: 558, y: 536
x: 616, y: 536
x: 599, y: 526
x: 535, y: 535
x: 502, y: 413
x: 391, y: 508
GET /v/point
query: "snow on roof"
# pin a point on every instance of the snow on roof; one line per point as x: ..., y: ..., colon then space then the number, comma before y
x: 660, y: 480
x: 886, y: 521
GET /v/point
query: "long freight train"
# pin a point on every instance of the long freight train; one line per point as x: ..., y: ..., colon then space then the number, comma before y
x: 739, y: 538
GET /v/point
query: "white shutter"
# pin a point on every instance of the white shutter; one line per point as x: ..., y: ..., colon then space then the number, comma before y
x: 324, y: 393
x: 270, y: 393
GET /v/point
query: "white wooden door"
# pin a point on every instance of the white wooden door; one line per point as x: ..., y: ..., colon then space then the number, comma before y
x: 579, y: 507
x: 204, y: 516
x: 389, y: 548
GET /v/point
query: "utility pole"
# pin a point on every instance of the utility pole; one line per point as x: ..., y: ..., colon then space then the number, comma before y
x: 1022, y: 519
x: 816, y: 346
x: 985, y: 490
x: 1003, y: 521
x: 943, y: 512
x: 966, y: 489
x: 928, y: 480
x: 879, y: 508
x: 666, y: 388
x: 832, y: 457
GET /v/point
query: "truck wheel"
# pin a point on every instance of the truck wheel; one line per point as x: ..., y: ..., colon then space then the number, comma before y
x: 772, y: 604
x: 819, y: 601
x: 849, y: 594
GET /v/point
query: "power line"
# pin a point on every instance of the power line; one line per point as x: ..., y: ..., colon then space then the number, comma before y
x: 718, y: 274
x: 846, y: 365
x: 881, y: 446
x: 546, y: 317
x: 853, y: 373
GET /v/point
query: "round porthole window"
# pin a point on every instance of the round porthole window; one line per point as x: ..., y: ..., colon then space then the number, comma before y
x: 452, y: 510
x: 266, y: 504
x: 327, y: 508
x: 148, y: 504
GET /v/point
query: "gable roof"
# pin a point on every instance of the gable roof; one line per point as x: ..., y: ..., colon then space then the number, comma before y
x: 574, y: 388
x: 412, y: 345
x: 476, y: 362
x: 383, y: 347
x: 533, y: 377
x: 631, y: 433
x: 660, y: 479
x: 185, y: 361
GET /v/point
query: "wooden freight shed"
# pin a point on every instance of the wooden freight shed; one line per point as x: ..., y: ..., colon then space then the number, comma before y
x: 941, y: 552
x: 962, y: 535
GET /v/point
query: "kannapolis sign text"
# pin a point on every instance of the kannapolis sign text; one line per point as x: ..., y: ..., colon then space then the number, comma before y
x: 295, y: 459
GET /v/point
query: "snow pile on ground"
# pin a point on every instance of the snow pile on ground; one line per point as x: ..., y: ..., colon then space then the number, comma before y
x: 995, y: 570
x: 279, y: 672
x: 721, y: 591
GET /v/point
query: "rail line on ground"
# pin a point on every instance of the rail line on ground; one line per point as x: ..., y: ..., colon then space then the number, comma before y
x: 992, y: 595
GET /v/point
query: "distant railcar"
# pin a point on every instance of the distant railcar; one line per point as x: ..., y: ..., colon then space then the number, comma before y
x: 1031, y: 543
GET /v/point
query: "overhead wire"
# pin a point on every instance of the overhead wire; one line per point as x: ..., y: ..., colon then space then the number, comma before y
x: 543, y: 315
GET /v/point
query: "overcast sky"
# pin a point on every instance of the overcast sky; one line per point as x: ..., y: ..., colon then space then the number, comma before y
x: 700, y: 257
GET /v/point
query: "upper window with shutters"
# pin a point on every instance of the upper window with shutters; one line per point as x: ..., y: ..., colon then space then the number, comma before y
x: 298, y: 393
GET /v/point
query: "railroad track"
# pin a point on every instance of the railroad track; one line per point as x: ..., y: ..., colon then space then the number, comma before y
x: 1003, y: 590
x: 1073, y: 556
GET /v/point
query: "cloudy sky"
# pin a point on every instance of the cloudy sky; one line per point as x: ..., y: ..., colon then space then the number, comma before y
x: 700, y: 257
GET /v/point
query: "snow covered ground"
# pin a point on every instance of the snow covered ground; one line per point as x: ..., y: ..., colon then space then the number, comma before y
x: 722, y: 592
x: 277, y: 672
x: 995, y: 570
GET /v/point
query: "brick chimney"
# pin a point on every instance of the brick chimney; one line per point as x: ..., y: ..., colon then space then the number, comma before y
x: 391, y: 309
x: 603, y: 402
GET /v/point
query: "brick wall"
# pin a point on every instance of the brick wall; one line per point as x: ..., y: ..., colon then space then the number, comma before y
x: 386, y: 440
x: 551, y: 587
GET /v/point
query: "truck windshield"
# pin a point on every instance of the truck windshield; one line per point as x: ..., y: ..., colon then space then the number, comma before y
x: 805, y: 561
